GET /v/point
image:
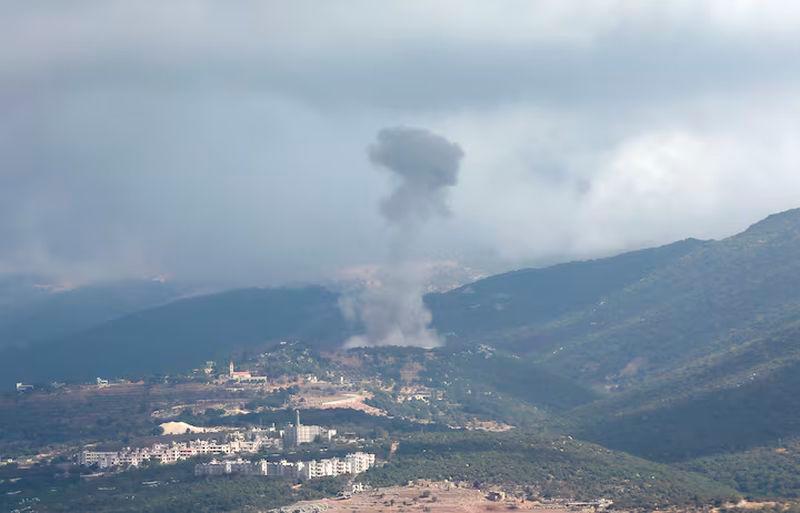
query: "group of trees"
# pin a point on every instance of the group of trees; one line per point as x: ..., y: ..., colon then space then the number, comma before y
x: 765, y: 472
x: 160, y: 489
x: 556, y: 466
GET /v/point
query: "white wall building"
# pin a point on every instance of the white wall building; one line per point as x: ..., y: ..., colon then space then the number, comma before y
x: 174, y: 452
x: 304, y: 434
x: 353, y: 463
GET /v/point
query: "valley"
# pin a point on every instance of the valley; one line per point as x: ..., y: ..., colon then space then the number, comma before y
x: 663, y: 379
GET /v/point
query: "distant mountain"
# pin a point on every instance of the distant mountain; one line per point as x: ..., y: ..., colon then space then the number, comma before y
x: 633, y: 317
x: 17, y: 292
x: 30, y: 311
x: 180, y: 335
x: 713, y: 298
x: 505, y: 307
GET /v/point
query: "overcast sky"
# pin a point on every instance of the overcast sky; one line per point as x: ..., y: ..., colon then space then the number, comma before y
x: 227, y: 141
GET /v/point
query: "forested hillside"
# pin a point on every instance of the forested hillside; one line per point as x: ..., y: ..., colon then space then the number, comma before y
x: 634, y: 317
x: 180, y: 335
x: 672, y: 353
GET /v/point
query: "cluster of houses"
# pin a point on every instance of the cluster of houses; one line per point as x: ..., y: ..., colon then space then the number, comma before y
x: 237, y: 442
x: 353, y: 463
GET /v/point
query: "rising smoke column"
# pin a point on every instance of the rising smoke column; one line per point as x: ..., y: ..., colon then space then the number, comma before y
x: 424, y: 166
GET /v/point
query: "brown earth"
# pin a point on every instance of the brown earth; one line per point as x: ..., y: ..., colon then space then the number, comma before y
x: 430, y: 498
x: 324, y: 400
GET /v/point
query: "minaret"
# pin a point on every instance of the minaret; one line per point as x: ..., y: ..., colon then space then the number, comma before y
x: 297, y: 428
x: 230, y: 368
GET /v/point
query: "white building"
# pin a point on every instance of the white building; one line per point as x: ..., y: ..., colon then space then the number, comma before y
x: 103, y: 459
x: 303, y: 434
x: 353, y: 463
x: 238, y: 466
x: 173, y: 452
x: 244, y: 376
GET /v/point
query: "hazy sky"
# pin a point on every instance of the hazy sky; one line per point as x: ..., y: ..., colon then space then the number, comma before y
x: 227, y: 141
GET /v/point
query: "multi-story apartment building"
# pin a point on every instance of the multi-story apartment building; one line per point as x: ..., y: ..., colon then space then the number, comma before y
x: 353, y: 463
x: 174, y: 452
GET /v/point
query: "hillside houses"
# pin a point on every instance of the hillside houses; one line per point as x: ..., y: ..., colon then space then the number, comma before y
x: 177, y: 451
x: 353, y: 463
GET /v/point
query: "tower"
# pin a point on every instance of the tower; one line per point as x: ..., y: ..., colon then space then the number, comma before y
x: 230, y: 368
x: 297, y: 428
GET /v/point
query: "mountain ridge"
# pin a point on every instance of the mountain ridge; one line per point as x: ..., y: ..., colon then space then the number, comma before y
x: 609, y: 322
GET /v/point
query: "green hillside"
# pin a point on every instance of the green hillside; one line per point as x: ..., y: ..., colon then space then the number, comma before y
x: 551, y: 466
x: 624, y: 320
x: 180, y: 335
x: 716, y: 296
x: 766, y: 472
x: 521, y: 301
x: 724, y: 420
x: 475, y: 382
x: 740, y: 397
x: 609, y: 323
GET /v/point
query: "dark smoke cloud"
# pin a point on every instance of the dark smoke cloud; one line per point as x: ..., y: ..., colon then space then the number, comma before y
x: 425, y: 163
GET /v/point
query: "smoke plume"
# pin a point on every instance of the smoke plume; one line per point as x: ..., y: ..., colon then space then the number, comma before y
x: 423, y: 166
